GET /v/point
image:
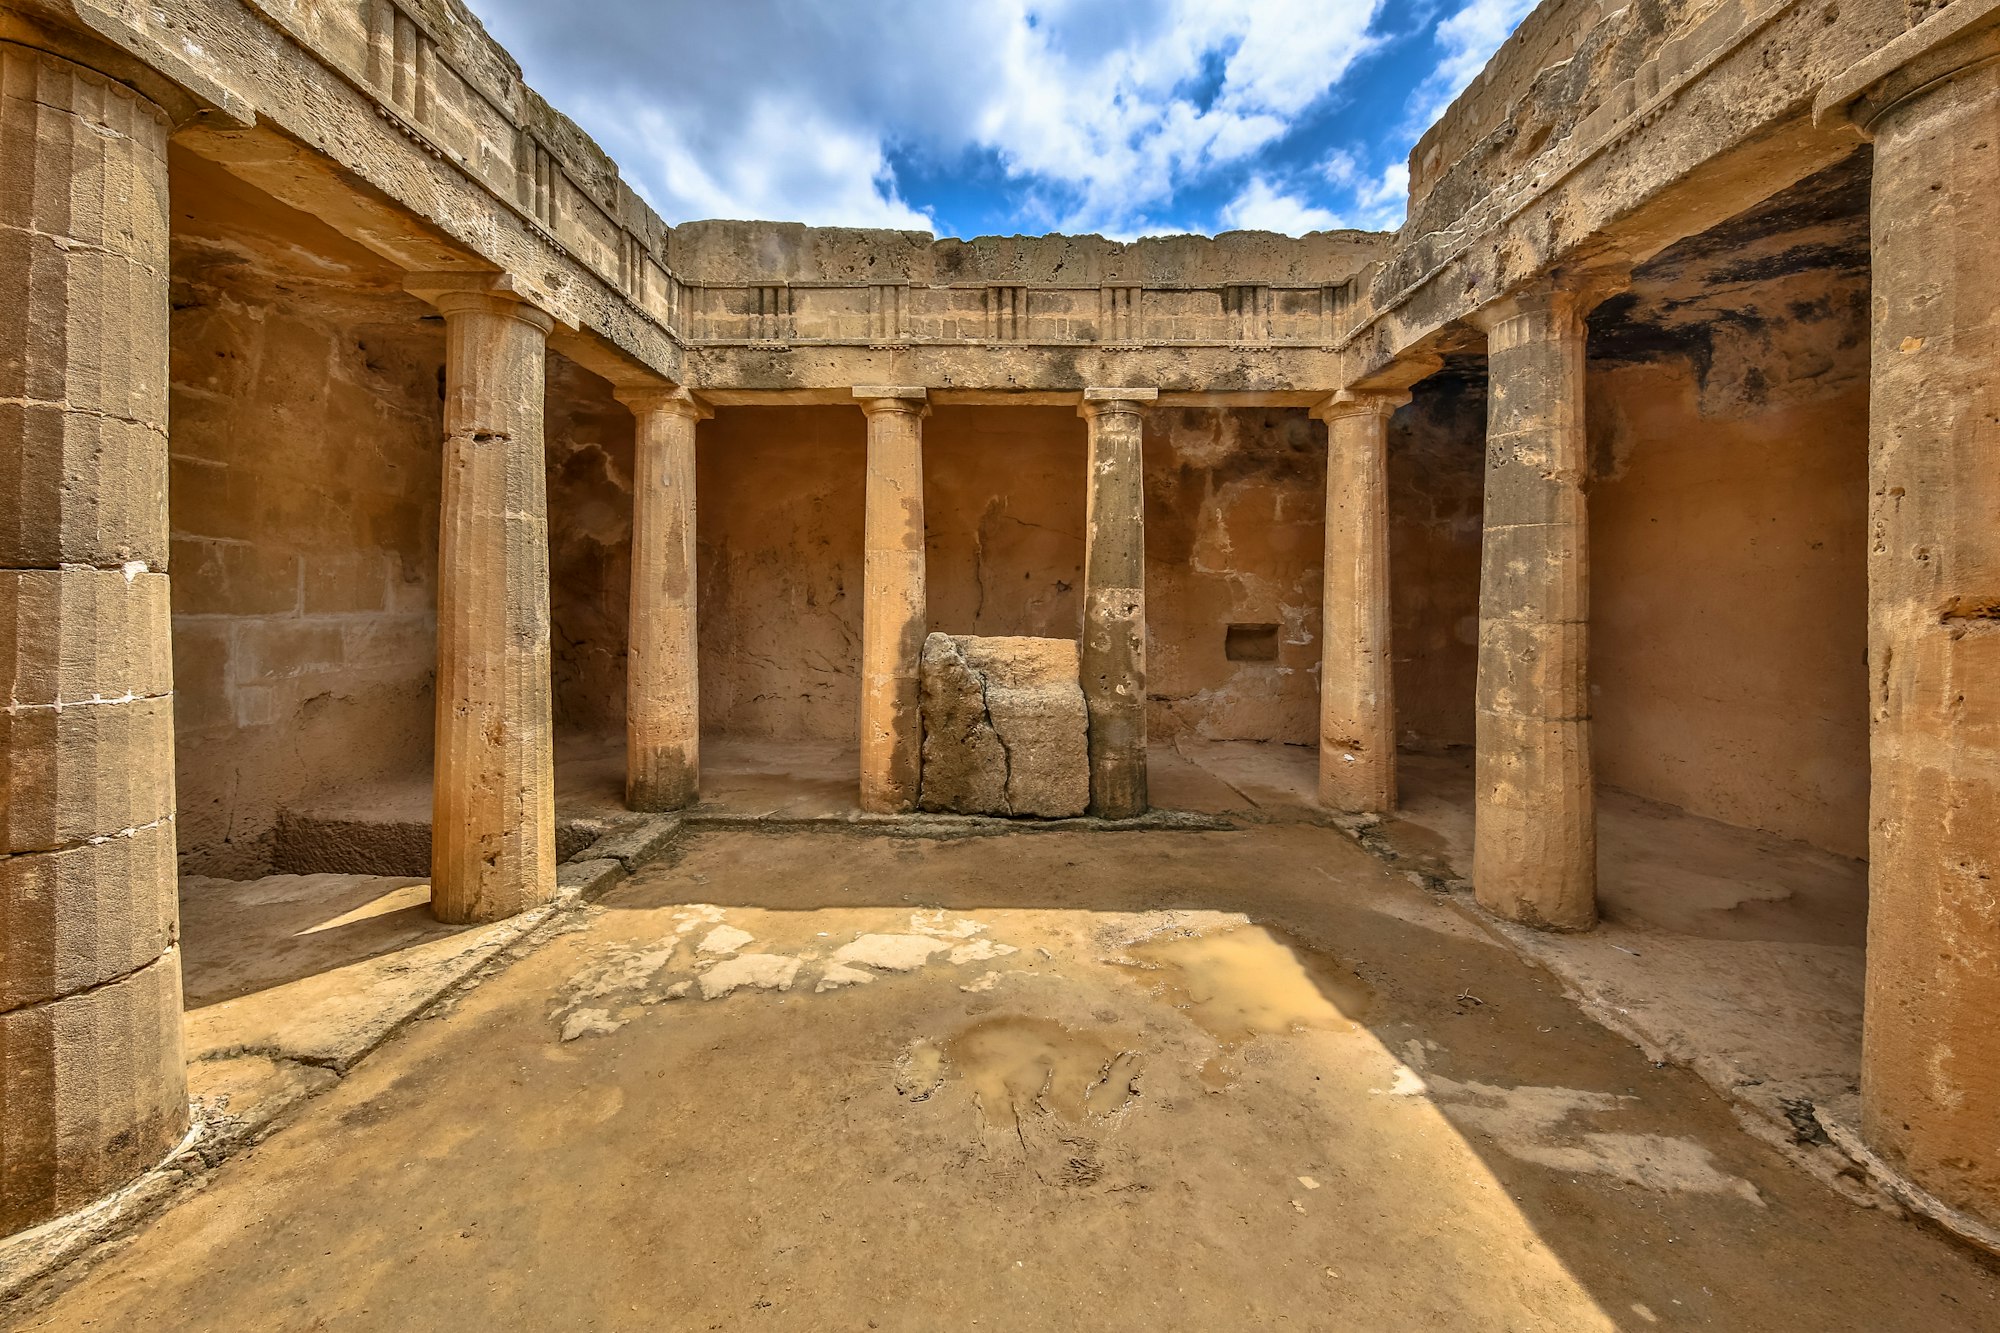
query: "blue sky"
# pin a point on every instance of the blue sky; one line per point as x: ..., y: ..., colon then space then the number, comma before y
x: 972, y: 117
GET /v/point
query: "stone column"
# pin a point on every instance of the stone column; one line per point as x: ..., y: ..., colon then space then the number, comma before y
x: 893, y: 611
x: 1930, y: 1077
x: 493, y: 843
x: 1357, y: 708
x: 662, y: 685
x: 92, y: 1086
x: 1535, y: 835
x: 1114, y: 600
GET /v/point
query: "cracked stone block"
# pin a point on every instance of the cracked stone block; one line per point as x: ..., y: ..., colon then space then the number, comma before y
x: 1005, y: 727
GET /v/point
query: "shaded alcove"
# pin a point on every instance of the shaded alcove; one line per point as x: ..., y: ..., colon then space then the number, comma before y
x: 307, y: 410
x: 1235, y: 546
x: 1437, y: 478
x: 587, y: 442
x: 1728, y: 418
x: 1004, y: 520
x: 780, y: 495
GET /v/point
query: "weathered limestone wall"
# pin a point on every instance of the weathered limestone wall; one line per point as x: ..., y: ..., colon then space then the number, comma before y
x: 778, y: 498
x: 303, y: 500
x: 1728, y: 416
x: 1437, y: 451
x: 1235, y: 533
x: 589, y: 441
x: 1003, y: 500
x: 1729, y: 626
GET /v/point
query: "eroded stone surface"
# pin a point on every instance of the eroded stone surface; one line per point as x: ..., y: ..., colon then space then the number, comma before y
x: 1005, y: 729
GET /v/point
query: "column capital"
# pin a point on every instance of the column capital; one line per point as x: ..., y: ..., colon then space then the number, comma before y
x: 1960, y: 37
x: 1562, y: 297
x: 477, y: 293
x: 1101, y: 401
x: 1361, y: 402
x: 669, y: 399
x: 911, y: 398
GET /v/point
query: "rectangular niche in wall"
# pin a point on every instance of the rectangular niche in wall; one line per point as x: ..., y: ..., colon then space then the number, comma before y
x: 1252, y: 643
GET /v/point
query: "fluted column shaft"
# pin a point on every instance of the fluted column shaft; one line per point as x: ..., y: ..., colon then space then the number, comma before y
x: 893, y: 609
x: 493, y: 838
x: 1114, y: 600
x: 1535, y: 836
x: 1930, y: 1075
x: 1357, y: 708
x: 662, y: 677
x: 92, y: 1086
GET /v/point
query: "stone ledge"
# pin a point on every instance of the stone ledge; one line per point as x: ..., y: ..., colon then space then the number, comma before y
x: 963, y: 826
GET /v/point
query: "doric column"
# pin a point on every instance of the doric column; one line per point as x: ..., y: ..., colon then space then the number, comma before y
x: 1114, y: 600
x: 92, y: 1086
x: 1930, y: 1077
x: 493, y: 843
x: 1535, y: 834
x: 662, y: 695
x: 1357, y: 708
x: 893, y: 611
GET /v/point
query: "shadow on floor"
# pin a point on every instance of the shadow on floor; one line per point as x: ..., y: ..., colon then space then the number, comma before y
x: 1345, y: 1108
x: 243, y: 936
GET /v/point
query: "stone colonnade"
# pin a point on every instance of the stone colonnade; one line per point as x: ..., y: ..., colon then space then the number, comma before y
x: 1931, y: 1052
x: 895, y: 614
x: 92, y: 1088
x: 1534, y: 846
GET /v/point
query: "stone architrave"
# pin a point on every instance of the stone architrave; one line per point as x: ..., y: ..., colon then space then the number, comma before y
x: 493, y: 828
x: 893, y: 603
x: 662, y: 681
x: 1114, y: 600
x: 92, y: 1080
x: 1357, y: 711
x: 1006, y: 731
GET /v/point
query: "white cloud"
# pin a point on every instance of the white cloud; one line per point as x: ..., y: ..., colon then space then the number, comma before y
x: 1379, y: 200
x: 788, y: 163
x: 1099, y: 110
x: 1262, y: 207
x: 1467, y: 40
x: 1119, y: 127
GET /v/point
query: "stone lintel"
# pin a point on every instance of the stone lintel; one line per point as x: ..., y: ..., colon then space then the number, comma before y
x: 1236, y: 398
x: 718, y: 396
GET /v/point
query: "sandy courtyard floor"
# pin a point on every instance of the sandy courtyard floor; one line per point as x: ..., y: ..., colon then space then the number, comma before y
x: 1065, y: 1080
